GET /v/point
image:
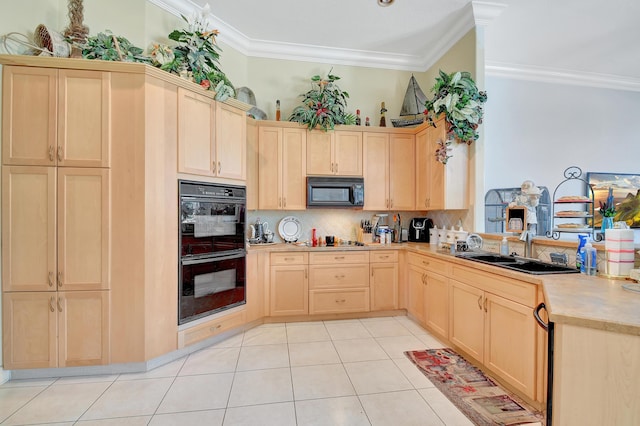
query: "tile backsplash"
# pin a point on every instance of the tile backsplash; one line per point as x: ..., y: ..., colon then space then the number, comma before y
x: 344, y: 224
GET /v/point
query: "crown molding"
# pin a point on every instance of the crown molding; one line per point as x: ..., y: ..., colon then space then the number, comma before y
x: 322, y: 54
x: 561, y: 76
x: 484, y: 12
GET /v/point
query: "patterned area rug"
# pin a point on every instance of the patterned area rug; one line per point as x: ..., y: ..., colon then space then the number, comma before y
x: 482, y: 400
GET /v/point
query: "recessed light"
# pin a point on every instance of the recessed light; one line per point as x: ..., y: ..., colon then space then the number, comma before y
x: 385, y: 3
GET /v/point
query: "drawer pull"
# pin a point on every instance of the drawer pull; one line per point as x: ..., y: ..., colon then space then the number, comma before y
x: 425, y: 262
x: 384, y: 257
x: 289, y: 259
x: 341, y: 300
x: 338, y: 257
x: 215, y: 328
x: 339, y: 277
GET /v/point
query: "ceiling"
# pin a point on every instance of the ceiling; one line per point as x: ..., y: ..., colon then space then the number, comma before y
x: 575, y: 41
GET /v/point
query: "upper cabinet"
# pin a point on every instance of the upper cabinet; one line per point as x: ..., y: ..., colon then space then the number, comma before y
x: 56, y: 117
x: 335, y: 153
x: 211, y: 137
x: 281, y: 168
x: 440, y: 186
x: 389, y: 172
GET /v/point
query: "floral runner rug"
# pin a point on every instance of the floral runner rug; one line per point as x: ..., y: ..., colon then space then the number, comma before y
x: 481, y: 399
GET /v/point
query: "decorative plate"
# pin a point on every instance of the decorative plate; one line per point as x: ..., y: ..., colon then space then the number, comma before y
x: 289, y: 229
x: 474, y: 242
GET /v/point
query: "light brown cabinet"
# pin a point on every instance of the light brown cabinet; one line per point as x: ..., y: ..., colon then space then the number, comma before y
x: 211, y: 137
x: 440, y: 186
x: 436, y: 303
x: 383, y: 280
x: 56, y: 117
x: 499, y: 332
x: 55, y: 228
x: 415, y: 290
x: 63, y: 329
x: 334, y: 153
x: 289, y: 284
x: 281, y: 168
x: 389, y: 170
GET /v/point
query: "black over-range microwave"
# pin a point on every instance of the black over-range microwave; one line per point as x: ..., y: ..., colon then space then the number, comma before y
x: 335, y: 191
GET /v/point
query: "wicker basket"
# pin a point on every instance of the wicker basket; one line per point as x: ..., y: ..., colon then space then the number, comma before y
x: 52, y: 41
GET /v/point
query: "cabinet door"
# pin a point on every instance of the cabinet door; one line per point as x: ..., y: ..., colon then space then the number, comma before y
x: 375, y: 168
x: 84, y: 108
x: 255, y: 285
x: 320, y: 153
x: 231, y: 142
x: 466, y: 327
x: 83, y: 324
x: 269, y: 168
x: 416, y: 279
x: 28, y: 228
x: 29, y: 120
x: 348, y: 153
x: 83, y: 229
x: 436, y: 170
x: 252, y: 164
x: 29, y: 330
x: 436, y: 304
x: 384, y: 286
x: 294, y: 182
x: 510, y: 335
x: 423, y: 169
x: 289, y: 290
x: 402, y: 176
x: 196, y: 153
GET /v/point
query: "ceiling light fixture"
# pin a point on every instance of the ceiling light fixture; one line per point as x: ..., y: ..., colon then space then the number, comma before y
x: 385, y: 3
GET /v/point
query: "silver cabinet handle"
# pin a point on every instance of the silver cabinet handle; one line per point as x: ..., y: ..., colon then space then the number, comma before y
x: 50, y: 279
x: 336, y: 167
x: 51, y: 304
x: 51, y: 153
x: 305, y: 273
x: 279, y: 201
x: 60, y: 279
x: 213, y: 166
x: 59, y: 153
x: 485, y: 304
x: 284, y: 202
x: 59, y: 305
x: 219, y: 168
x: 216, y: 327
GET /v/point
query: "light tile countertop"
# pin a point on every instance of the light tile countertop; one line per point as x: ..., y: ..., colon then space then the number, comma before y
x: 576, y: 299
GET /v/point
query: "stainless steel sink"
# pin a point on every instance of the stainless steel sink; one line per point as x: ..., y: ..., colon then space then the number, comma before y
x: 520, y: 264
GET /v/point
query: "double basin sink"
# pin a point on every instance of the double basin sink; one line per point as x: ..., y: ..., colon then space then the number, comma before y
x: 520, y: 264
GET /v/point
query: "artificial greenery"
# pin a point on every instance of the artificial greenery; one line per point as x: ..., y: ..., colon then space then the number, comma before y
x: 458, y: 97
x: 107, y: 47
x: 324, y: 105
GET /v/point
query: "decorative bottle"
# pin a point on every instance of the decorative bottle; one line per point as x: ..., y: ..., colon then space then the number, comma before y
x: 358, y: 121
x: 383, y: 120
x: 367, y: 122
x: 278, y: 110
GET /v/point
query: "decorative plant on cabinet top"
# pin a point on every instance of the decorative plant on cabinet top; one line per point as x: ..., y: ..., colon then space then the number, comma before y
x: 458, y: 97
x: 323, y: 106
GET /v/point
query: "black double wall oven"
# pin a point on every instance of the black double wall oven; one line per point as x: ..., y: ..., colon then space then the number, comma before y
x: 212, y: 249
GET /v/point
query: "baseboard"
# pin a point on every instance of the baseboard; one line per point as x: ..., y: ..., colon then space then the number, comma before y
x: 5, y: 376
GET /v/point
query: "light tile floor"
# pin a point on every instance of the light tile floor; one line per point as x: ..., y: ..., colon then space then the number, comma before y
x: 325, y: 373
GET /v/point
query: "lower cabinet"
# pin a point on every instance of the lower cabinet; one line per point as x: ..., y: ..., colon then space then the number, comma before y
x: 436, y: 304
x: 339, y: 282
x: 221, y: 323
x: 383, y: 280
x: 416, y: 282
x: 289, y: 284
x: 55, y: 329
x: 498, y: 332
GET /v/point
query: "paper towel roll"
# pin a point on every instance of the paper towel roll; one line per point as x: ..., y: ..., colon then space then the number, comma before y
x: 619, y: 248
x: 615, y: 236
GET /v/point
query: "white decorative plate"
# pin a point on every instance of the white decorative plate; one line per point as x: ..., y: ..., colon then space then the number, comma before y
x: 289, y: 229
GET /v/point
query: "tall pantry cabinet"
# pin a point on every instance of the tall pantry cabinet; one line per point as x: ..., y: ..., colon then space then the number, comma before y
x: 56, y: 216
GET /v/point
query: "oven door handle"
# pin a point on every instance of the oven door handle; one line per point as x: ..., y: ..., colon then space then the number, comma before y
x: 239, y: 254
x: 536, y: 314
x: 209, y: 199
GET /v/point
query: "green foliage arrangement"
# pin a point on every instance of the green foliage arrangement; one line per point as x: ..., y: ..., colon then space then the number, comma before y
x: 458, y: 97
x: 324, y: 105
x: 107, y: 47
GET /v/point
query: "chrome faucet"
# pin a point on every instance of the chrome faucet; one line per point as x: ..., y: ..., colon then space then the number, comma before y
x: 527, y: 237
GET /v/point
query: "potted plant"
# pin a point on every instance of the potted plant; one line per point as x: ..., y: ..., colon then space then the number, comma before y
x: 324, y: 105
x: 458, y: 98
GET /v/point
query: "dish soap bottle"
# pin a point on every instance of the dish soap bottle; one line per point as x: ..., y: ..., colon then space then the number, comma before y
x: 590, y: 259
x: 580, y: 252
x: 504, y: 247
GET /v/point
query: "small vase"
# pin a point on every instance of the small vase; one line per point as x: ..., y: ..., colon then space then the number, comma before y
x: 607, y: 223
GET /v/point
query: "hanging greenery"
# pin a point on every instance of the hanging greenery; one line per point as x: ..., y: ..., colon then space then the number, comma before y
x: 458, y: 97
x: 324, y: 105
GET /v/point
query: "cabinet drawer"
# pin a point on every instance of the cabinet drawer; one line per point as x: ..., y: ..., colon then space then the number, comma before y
x: 339, y: 257
x: 290, y: 258
x: 338, y: 301
x: 429, y: 263
x: 343, y: 276
x: 210, y: 328
x: 383, y: 256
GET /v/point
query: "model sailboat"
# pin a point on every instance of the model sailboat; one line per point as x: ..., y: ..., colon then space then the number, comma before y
x: 413, y: 105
